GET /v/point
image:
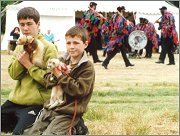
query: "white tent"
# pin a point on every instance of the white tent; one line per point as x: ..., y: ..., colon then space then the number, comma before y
x: 58, y: 19
x: 60, y: 15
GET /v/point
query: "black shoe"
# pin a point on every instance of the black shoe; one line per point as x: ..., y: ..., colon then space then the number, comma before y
x: 129, y: 65
x: 105, y: 66
x: 160, y: 61
x: 148, y: 57
x: 98, y: 61
x: 80, y: 128
x: 171, y: 64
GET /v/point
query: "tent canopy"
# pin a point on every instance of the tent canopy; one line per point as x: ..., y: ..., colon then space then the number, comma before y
x: 146, y: 7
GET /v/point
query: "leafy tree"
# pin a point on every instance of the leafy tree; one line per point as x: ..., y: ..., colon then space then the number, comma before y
x: 4, y: 3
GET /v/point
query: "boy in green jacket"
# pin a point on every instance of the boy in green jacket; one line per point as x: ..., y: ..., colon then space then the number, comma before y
x: 30, y: 93
x: 77, y: 87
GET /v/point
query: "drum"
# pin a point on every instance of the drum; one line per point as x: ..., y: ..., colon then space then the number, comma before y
x: 137, y: 40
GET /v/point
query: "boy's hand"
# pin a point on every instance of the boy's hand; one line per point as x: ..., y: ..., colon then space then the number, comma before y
x: 57, y: 71
x: 24, y: 59
x: 65, y: 69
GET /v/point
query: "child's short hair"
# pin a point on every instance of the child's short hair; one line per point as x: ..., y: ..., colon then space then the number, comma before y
x: 78, y: 31
x: 28, y: 12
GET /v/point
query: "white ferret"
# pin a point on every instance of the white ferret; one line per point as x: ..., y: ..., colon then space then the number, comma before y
x: 57, y: 92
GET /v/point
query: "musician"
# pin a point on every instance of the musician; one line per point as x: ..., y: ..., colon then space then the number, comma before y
x: 168, y: 34
x: 90, y: 20
x: 139, y: 26
x: 118, y: 25
x: 129, y: 28
x: 151, y: 36
x: 99, y: 36
x: 105, y: 36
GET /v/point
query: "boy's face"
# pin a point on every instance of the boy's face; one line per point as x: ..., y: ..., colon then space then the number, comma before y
x: 29, y: 27
x: 75, y: 46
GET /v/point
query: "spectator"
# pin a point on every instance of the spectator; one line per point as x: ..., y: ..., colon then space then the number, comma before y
x: 12, y: 43
x: 49, y: 36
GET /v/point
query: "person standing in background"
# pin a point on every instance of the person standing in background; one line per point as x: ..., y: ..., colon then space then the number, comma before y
x: 15, y: 33
x: 140, y: 26
x: 91, y: 20
x: 169, y: 36
x: 49, y: 36
x: 152, y: 38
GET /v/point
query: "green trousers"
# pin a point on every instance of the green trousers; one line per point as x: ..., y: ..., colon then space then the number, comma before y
x: 51, y: 123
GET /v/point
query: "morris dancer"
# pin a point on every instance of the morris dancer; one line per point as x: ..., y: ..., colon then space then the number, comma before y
x: 152, y: 38
x: 105, y: 36
x: 168, y: 34
x: 119, y: 29
x: 90, y: 20
x: 140, y: 26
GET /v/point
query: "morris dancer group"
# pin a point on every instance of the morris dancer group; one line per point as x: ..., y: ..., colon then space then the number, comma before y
x: 116, y: 29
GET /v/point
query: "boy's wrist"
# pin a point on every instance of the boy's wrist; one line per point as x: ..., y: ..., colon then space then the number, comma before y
x: 57, y: 72
x: 28, y: 65
x: 58, y: 75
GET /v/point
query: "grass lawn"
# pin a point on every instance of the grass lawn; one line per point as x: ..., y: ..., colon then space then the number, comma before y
x: 136, y: 100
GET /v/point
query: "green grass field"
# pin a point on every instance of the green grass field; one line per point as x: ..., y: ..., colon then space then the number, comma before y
x: 141, y: 100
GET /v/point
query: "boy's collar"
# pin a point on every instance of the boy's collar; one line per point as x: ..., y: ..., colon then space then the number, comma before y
x: 83, y: 59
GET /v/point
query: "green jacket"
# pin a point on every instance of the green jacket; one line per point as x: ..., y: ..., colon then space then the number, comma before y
x: 78, y: 85
x: 30, y: 88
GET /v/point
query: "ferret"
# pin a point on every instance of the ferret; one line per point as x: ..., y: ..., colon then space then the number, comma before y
x: 34, y: 47
x: 57, y: 92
